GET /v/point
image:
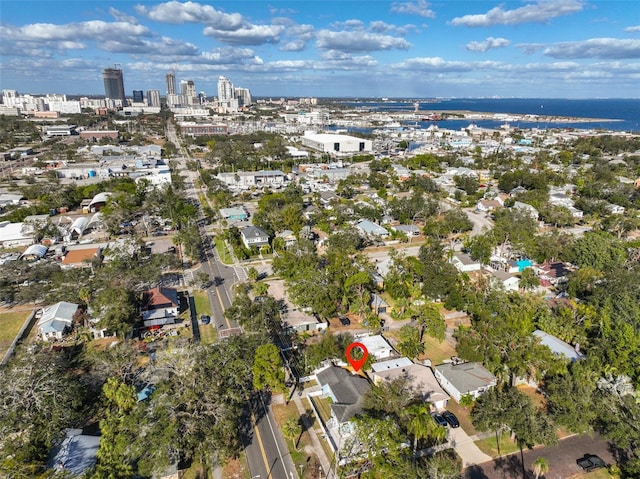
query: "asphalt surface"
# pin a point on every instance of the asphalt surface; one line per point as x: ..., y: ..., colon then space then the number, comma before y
x: 561, y: 459
x: 266, y: 451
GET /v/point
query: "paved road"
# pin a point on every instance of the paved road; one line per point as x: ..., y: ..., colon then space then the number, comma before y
x: 561, y: 458
x: 266, y: 451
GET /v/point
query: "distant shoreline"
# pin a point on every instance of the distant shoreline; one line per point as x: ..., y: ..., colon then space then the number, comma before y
x: 506, y: 117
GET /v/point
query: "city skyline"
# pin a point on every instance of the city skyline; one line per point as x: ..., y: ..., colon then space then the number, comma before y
x: 548, y: 48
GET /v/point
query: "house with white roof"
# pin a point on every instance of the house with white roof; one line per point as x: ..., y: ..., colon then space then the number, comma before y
x: 369, y: 228
x: 464, y: 263
x: 558, y: 346
x: 57, y: 320
x: 378, y: 346
x: 464, y: 378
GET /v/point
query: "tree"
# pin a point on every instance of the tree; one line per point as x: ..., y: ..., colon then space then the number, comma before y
x: 268, y: 369
x: 409, y: 343
x: 421, y: 425
x: 540, y: 467
x: 292, y: 430
x: 117, y: 309
x: 528, y: 279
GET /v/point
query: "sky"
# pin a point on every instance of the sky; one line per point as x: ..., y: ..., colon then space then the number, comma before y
x: 373, y: 48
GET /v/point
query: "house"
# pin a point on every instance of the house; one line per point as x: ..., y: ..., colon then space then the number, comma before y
x: 558, y: 347
x: 614, y: 209
x: 485, y: 206
x: 288, y: 237
x: 300, y: 321
x: 378, y: 304
x: 551, y: 274
x: 234, y: 213
x: 76, y: 454
x: 253, y: 236
x: 464, y: 263
x: 346, y: 391
x: 465, y: 378
x: 160, y: 306
x: 408, y: 230
x: 57, y: 320
x: 505, y: 280
x: 420, y: 378
x: 377, y: 346
x: 81, y: 257
x: 526, y: 209
x: 369, y: 228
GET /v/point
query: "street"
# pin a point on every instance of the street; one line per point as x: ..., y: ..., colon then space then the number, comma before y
x: 266, y: 451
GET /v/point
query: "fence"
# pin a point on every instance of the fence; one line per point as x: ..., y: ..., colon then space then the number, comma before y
x: 22, y: 334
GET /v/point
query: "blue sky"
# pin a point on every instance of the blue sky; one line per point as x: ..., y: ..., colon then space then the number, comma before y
x: 528, y: 48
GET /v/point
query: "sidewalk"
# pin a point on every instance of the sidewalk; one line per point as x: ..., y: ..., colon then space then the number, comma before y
x: 317, y: 446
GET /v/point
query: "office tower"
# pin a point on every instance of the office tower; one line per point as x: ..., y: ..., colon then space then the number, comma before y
x: 244, y: 96
x: 9, y: 97
x: 153, y: 98
x: 225, y: 89
x: 171, y: 83
x: 137, y: 96
x: 113, y: 84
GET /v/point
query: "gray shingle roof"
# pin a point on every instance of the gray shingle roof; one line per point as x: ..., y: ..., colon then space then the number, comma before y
x: 466, y: 377
x: 348, y: 390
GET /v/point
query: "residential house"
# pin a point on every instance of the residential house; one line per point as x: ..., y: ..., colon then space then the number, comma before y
x: 75, y: 455
x: 57, y: 320
x: 378, y: 304
x: 527, y: 209
x: 464, y: 378
x: 408, y: 230
x: 253, y: 236
x: 288, y: 237
x: 420, y: 378
x: 614, y: 209
x: 160, y: 306
x: 370, y: 229
x: 507, y: 281
x: 301, y: 321
x: 81, y: 257
x: 345, y: 391
x: 551, y: 274
x: 464, y: 263
x: 377, y: 346
x: 558, y: 347
x: 486, y: 206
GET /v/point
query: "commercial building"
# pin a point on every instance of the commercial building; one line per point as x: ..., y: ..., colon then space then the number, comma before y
x: 153, y: 98
x: 199, y: 129
x: 171, y: 83
x: 244, y: 96
x: 138, y: 96
x: 113, y: 84
x: 333, y: 143
x: 225, y: 89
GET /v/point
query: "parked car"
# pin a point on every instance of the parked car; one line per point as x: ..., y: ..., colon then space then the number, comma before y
x: 204, y: 319
x: 451, y: 419
x: 590, y: 462
x: 440, y: 421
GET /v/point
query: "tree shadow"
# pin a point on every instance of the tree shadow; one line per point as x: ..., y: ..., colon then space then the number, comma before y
x: 510, y: 466
x: 474, y: 472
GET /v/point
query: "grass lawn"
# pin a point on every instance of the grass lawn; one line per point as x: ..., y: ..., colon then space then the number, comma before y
x: 323, y: 406
x: 489, y: 446
x: 208, y: 332
x: 236, y: 468
x: 597, y: 474
x: 302, y: 455
x: 10, y: 324
x: 437, y: 351
x: 225, y: 257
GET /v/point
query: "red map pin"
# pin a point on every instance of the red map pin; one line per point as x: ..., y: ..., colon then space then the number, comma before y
x: 356, y: 363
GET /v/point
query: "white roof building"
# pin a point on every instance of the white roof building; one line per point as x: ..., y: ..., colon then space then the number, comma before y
x: 378, y: 346
x: 56, y: 320
x: 334, y: 143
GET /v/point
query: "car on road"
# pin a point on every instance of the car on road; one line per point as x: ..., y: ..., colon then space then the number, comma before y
x: 451, y: 419
x: 590, y: 462
x: 440, y: 421
x: 205, y: 319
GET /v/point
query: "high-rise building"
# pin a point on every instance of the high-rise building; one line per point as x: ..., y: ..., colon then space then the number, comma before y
x: 243, y: 95
x: 171, y: 83
x: 188, y: 92
x: 225, y: 89
x: 153, y: 98
x: 113, y: 84
x: 138, y: 97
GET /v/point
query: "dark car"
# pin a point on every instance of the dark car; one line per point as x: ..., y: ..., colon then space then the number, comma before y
x: 440, y: 421
x: 204, y: 319
x: 590, y: 462
x: 451, y: 419
x: 344, y: 320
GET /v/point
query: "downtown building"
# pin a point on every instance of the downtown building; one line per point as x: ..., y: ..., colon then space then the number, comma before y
x: 114, y: 84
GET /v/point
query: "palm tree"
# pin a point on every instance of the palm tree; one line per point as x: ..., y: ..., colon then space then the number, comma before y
x: 291, y: 429
x: 540, y: 467
x: 421, y: 425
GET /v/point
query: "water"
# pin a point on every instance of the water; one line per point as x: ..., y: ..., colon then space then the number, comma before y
x: 612, y: 114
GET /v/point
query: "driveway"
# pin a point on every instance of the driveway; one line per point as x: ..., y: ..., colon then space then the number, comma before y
x: 561, y: 458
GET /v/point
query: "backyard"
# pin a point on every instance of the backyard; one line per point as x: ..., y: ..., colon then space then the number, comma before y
x: 10, y: 324
x: 208, y: 333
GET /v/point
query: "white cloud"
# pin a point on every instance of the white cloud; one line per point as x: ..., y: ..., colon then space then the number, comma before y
x: 358, y: 41
x: 541, y: 11
x: 93, y: 30
x: 487, y: 44
x: 250, y: 35
x: 633, y: 29
x: 420, y: 8
x: 191, y: 12
x: 603, y: 48
x: 122, y: 17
